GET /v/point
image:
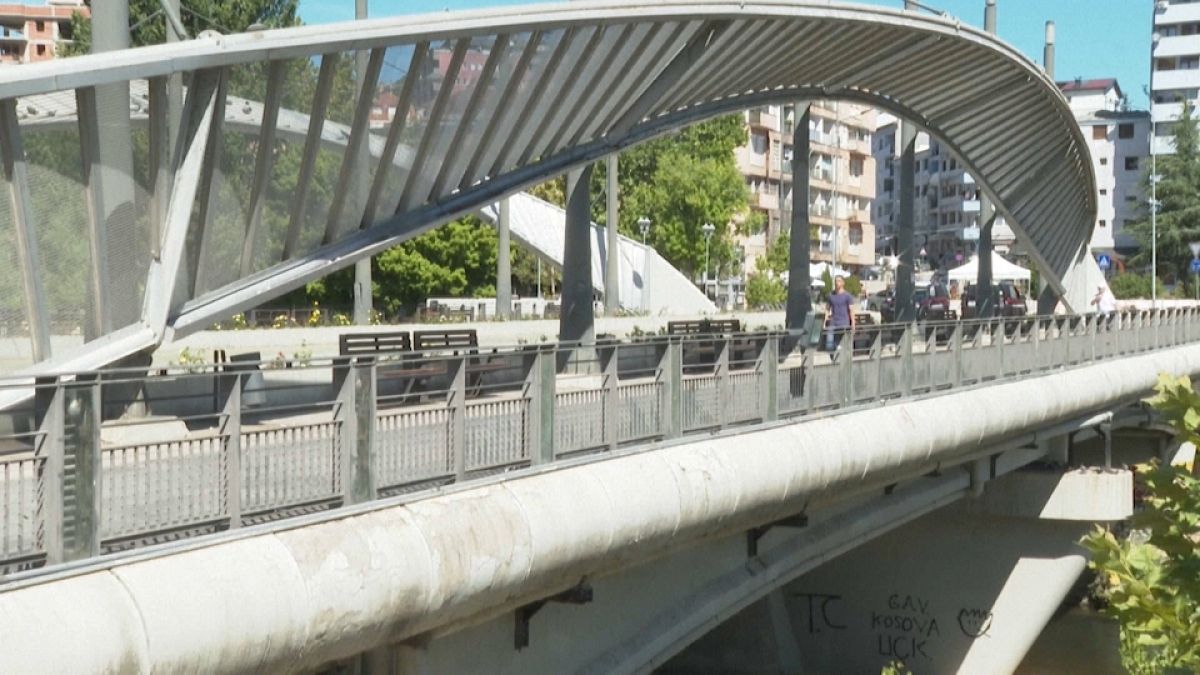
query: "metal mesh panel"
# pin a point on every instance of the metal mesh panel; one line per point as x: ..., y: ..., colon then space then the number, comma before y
x: 60, y: 222
x: 229, y: 197
x: 16, y: 347
x: 414, y: 117
x: 335, y: 132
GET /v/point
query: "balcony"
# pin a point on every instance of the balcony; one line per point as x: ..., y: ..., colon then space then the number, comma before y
x: 1177, y: 79
x: 761, y: 118
x: 1166, y: 112
x: 765, y: 200
x: 1176, y: 45
x: 1177, y: 13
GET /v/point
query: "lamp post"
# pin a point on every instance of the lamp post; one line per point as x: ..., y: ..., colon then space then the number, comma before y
x: 708, y: 230
x: 644, y: 225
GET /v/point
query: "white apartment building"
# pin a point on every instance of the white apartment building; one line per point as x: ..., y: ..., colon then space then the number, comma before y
x: 841, y: 179
x: 1119, y: 141
x: 1175, y: 71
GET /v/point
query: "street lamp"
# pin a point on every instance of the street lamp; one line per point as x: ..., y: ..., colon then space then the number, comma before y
x: 708, y: 230
x: 644, y: 224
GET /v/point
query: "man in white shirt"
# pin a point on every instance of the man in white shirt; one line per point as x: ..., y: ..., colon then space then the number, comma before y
x: 1106, y: 304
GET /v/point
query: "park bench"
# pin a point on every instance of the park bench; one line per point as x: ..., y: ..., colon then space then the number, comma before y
x: 352, y: 344
x: 743, y: 352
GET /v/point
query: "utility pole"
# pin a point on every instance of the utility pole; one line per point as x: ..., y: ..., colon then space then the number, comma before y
x: 984, y: 300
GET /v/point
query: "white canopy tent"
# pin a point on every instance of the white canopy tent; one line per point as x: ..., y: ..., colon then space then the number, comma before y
x: 1002, y: 270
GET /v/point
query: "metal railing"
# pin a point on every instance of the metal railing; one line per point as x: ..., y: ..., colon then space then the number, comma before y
x: 92, y: 463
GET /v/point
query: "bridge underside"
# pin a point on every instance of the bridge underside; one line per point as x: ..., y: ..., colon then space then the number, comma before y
x: 196, y: 220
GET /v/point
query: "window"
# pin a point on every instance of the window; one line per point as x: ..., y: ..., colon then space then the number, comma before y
x: 1189, y: 62
x: 856, y: 233
x: 1125, y: 131
x: 41, y: 50
x: 1103, y: 161
x: 856, y: 166
x: 1131, y: 199
x: 1099, y: 132
x: 1131, y: 163
x: 41, y: 26
x: 1103, y: 223
x: 1103, y: 192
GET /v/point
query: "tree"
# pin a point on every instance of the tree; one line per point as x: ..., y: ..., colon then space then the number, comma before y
x: 1152, y: 577
x: 197, y: 16
x: 1178, y: 191
x: 765, y: 287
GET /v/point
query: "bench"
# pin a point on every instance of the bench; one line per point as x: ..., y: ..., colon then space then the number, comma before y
x: 704, y: 327
x: 424, y: 340
x: 350, y: 344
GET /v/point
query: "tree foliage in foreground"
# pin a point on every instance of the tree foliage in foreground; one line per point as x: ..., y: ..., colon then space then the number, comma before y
x: 1152, y: 577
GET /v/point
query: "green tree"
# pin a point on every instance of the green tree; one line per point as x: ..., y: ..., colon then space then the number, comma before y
x: 764, y: 286
x: 1178, y: 191
x: 197, y: 16
x: 1128, y: 286
x: 1152, y: 577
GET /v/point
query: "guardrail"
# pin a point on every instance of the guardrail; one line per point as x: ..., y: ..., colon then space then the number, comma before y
x: 104, y: 461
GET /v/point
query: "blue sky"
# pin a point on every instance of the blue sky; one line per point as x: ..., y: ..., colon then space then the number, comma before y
x: 1096, y: 38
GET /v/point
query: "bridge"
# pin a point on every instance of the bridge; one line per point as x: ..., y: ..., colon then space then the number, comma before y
x: 591, y: 504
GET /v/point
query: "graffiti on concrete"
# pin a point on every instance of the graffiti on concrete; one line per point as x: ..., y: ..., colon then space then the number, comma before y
x: 819, y: 605
x: 905, y: 627
x: 974, y: 623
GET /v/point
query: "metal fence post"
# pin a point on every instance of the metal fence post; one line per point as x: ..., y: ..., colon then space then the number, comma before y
x: 906, y: 354
x: 612, y: 395
x: 346, y: 416
x: 957, y: 338
x: 846, y: 367
x: 540, y: 381
x: 768, y: 364
x: 457, y: 403
x: 357, y: 481
x: 83, y: 420
x: 671, y: 376
x: 721, y: 374
x: 50, y: 406
x: 230, y: 392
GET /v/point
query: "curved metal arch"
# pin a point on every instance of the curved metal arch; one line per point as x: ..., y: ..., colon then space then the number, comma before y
x: 992, y: 106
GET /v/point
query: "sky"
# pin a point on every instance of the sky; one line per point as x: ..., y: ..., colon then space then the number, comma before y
x: 1096, y: 38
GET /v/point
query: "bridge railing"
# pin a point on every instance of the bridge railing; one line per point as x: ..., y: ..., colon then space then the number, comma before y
x: 100, y: 462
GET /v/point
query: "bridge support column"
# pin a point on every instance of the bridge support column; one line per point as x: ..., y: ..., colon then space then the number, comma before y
x: 906, y: 227
x: 503, y: 261
x: 799, y: 293
x: 577, y: 322
x: 612, y: 248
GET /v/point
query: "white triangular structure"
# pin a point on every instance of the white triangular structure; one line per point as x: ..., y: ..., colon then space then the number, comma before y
x: 648, y: 282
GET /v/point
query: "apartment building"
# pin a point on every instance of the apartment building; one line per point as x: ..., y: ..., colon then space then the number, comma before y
x: 946, y: 204
x: 841, y: 179
x: 1175, y: 71
x: 1119, y: 141
x: 31, y: 33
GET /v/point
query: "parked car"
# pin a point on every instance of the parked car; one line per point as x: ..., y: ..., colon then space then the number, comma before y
x: 887, y: 306
x: 935, y: 305
x: 1008, y: 300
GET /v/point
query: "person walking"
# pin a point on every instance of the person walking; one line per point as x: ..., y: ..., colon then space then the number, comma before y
x: 841, y: 315
x: 1106, y: 305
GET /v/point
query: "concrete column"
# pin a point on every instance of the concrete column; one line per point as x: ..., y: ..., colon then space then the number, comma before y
x: 906, y: 225
x: 114, y: 194
x: 612, y: 251
x: 363, y: 294
x: 503, y: 262
x: 576, y: 321
x: 985, y: 304
x: 1048, y: 300
x: 799, y: 294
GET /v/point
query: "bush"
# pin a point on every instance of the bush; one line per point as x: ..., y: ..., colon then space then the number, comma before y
x: 764, y: 291
x: 1128, y: 286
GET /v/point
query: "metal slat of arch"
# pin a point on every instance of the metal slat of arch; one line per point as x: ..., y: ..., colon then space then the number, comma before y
x: 632, y: 44
x: 506, y: 114
x: 533, y: 102
x: 733, y: 56
x: 665, y: 43
x: 589, y: 88
x: 806, y: 39
x: 263, y: 162
x: 547, y: 101
x: 710, y: 51
x: 312, y: 143
x: 355, y: 146
x: 596, y: 53
x: 464, y: 142
x: 387, y: 156
x: 415, y: 191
